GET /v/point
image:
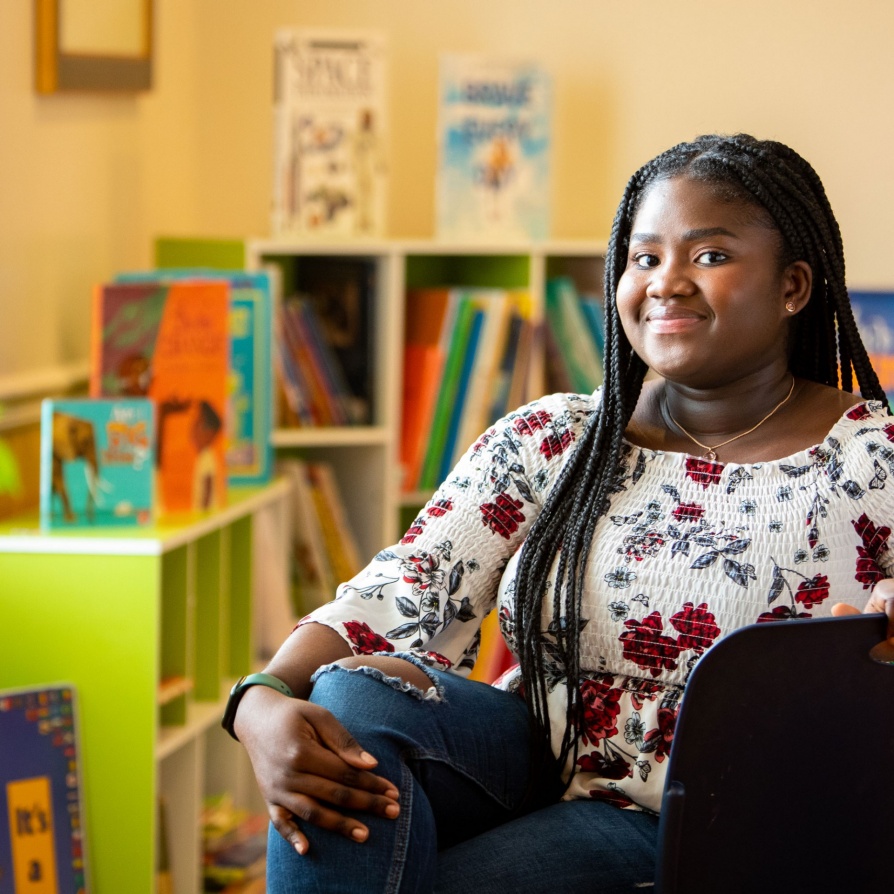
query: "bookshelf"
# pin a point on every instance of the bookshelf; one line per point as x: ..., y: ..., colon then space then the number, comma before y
x: 398, y: 265
x: 115, y: 613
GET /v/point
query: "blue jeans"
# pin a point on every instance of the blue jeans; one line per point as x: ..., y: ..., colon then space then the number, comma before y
x: 462, y: 765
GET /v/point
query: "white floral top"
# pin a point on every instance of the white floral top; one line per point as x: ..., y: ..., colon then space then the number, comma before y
x: 689, y: 551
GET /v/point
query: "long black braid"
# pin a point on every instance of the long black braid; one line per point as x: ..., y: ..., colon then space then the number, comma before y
x: 824, y: 346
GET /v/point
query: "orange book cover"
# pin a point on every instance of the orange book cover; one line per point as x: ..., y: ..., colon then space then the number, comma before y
x: 427, y: 324
x: 170, y: 341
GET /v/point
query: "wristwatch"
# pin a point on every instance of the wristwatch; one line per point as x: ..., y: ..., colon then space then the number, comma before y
x: 236, y: 693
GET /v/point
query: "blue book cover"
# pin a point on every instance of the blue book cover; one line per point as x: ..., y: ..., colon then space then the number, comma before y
x: 449, y: 456
x: 874, y: 314
x: 43, y: 844
x: 494, y: 134
x: 97, y: 462
x: 250, y: 417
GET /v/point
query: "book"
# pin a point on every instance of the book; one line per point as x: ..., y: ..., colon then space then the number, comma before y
x: 170, y: 341
x: 874, y: 315
x: 312, y: 578
x: 342, y: 552
x: 342, y: 294
x: 97, y: 462
x: 457, y: 334
x: 42, y: 818
x: 250, y: 411
x: 452, y: 446
x: 428, y: 320
x: 494, y: 140
x: 234, y: 843
x: 572, y: 347
x: 330, y: 132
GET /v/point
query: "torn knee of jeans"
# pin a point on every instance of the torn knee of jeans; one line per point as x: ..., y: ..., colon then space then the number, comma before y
x: 435, y: 692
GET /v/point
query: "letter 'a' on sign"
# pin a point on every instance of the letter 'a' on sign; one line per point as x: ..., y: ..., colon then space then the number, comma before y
x: 31, y: 836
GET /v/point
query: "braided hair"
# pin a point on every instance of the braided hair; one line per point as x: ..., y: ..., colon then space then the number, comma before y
x: 824, y: 346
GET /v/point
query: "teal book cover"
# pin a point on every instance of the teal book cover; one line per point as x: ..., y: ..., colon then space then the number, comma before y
x: 494, y: 145
x: 97, y: 462
x: 250, y: 418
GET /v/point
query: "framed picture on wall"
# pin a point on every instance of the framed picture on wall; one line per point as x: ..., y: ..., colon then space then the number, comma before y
x: 93, y: 45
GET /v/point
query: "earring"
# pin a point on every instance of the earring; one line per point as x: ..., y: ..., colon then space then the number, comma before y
x: 790, y: 306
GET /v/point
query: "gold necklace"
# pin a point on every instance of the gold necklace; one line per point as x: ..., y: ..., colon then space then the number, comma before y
x: 711, y: 452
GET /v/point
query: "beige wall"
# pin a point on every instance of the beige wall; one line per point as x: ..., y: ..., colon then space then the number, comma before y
x: 87, y: 181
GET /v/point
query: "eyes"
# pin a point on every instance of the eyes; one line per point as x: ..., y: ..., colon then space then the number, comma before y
x: 708, y: 258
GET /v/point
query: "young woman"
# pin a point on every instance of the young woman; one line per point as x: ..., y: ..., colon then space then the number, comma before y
x: 619, y: 534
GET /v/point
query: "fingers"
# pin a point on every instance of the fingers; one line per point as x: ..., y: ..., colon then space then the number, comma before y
x: 840, y: 609
x: 335, y: 737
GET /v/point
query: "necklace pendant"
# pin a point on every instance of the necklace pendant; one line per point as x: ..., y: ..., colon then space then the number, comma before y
x: 711, y: 455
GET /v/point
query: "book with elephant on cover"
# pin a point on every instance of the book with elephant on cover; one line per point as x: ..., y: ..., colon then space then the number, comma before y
x: 97, y: 462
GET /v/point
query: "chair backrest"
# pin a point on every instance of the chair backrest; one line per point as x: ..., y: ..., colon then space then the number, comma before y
x: 781, y: 775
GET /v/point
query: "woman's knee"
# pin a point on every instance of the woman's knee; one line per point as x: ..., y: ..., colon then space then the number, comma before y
x: 398, y: 670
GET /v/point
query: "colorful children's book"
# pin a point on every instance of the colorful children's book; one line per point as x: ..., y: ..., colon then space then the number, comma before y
x: 170, y: 341
x: 494, y: 135
x: 42, y: 831
x: 572, y: 335
x: 250, y: 411
x: 330, y: 128
x: 874, y: 313
x: 97, y: 462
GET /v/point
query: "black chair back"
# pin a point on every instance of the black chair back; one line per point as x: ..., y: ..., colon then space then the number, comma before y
x: 781, y: 775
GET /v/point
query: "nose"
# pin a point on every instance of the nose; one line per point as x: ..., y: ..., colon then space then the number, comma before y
x: 670, y: 279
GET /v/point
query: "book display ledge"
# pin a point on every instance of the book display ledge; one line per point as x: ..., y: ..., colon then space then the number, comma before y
x: 151, y: 626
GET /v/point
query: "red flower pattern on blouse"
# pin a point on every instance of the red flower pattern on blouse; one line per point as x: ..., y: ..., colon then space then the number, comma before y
x: 875, y: 542
x: 646, y: 646
x: 615, y: 768
x: 615, y: 798
x: 812, y: 592
x: 365, y: 640
x: 502, y: 516
x: 697, y: 626
x: 439, y: 508
x: 601, y: 706
x: 860, y: 411
x: 888, y: 431
x: 782, y: 613
x: 533, y: 421
x: 555, y: 445
x: 703, y: 471
x: 663, y: 736
x: 688, y: 512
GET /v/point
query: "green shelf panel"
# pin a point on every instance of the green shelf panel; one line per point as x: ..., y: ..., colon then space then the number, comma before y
x: 69, y: 618
x: 239, y: 616
x: 207, y: 584
x: 174, y: 629
x: 485, y: 271
x: 219, y: 254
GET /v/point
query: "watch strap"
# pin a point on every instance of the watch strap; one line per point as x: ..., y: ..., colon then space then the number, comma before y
x: 229, y: 718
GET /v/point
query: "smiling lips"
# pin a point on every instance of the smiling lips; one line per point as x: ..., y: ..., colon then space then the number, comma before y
x: 668, y: 318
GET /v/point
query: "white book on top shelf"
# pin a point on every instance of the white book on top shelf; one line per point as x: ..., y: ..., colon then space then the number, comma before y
x: 330, y: 130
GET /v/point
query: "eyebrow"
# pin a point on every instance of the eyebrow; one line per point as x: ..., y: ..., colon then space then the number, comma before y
x: 688, y: 236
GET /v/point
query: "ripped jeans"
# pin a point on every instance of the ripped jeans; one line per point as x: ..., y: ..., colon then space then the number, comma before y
x: 459, y: 756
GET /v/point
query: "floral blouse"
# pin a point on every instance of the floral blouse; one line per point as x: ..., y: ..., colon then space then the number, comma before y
x: 689, y: 551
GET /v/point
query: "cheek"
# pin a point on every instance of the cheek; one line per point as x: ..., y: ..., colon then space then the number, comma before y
x: 629, y: 299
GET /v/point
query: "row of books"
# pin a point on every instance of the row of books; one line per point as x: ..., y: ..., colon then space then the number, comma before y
x: 467, y: 355
x: 179, y: 405
x: 324, y: 550
x: 575, y: 338
x: 331, y: 127
x: 466, y: 359
x: 323, y: 343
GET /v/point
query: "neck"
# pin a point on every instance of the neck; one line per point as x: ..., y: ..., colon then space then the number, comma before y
x: 712, y: 415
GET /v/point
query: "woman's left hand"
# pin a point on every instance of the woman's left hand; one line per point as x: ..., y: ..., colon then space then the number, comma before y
x: 881, y: 600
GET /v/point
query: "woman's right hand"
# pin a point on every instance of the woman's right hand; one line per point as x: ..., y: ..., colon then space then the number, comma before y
x: 308, y: 766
